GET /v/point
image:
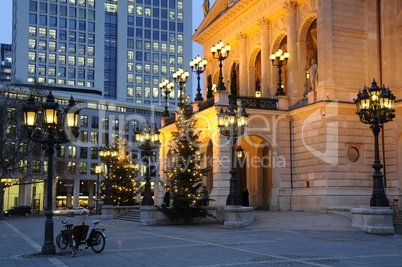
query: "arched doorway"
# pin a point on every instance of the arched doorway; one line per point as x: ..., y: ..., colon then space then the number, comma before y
x: 257, y: 171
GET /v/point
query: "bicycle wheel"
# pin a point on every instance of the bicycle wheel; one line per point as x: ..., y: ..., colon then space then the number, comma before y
x: 98, y: 242
x: 61, y: 242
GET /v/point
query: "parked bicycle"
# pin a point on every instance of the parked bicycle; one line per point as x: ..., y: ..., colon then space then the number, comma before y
x: 71, y: 238
x: 65, y: 240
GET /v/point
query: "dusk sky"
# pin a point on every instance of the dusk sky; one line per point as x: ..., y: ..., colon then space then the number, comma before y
x: 6, y: 20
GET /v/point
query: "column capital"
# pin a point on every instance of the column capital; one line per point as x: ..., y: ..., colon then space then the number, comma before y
x: 290, y: 6
x: 263, y: 24
x: 241, y: 37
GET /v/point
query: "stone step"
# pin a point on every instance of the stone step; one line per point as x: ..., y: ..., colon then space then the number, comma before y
x: 132, y: 215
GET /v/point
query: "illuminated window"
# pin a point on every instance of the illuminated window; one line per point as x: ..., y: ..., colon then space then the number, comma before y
x: 164, y: 47
x: 32, y: 43
x: 90, y: 62
x: 51, y: 71
x: 163, y: 70
x: 172, y: 48
x: 42, y: 57
x: 130, y: 55
x: 52, y: 46
x: 138, y: 79
x: 180, y: 49
x: 139, y: 10
x: 32, y: 31
x: 52, y: 58
x: 130, y: 78
x: 180, y: 5
x: 138, y: 91
x: 32, y: 56
x: 91, y: 51
x: 130, y: 91
x: 138, y: 67
x: 52, y: 34
x: 42, y: 70
x: 172, y: 15
x: 147, y: 68
x: 180, y: 16
x: 71, y: 60
x: 31, y: 69
x: 147, y: 12
x: 81, y: 62
x: 130, y: 66
x: 155, y: 69
x: 130, y: 9
x: 72, y: 151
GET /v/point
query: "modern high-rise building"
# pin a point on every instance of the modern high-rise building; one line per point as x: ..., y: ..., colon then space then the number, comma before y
x: 5, y: 63
x: 122, y: 48
x: 111, y: 56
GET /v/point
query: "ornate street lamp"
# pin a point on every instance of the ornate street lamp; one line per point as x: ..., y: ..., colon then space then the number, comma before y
x: 55, y: 127
x: 181, y: 76
x: 375, y: 106
x: 198, y: 66
x: 222, y: 52
x: 147, y: 139
x: 166, y: 87
x: 232, y: 124
x: 279, y: 59
x: 108, y: 154
x: 98, y: 170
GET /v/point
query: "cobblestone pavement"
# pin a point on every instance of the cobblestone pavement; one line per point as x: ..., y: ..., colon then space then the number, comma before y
x: 275, y: 239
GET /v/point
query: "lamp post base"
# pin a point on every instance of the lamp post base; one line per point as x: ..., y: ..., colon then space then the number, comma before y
x: 374, y: 220
x: 49, y: 248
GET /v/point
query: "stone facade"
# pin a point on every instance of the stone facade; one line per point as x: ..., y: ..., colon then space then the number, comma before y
x: 313, y: 151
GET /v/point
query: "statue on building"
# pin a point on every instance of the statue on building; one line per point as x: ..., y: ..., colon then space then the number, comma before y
x: 313, y: 71
x: 205, y: 7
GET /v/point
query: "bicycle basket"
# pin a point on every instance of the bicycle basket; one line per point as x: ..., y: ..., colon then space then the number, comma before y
x: 81, y: 231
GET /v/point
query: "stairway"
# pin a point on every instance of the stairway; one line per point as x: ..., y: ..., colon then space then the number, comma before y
x: 132, y: 215
x: 398, y: 223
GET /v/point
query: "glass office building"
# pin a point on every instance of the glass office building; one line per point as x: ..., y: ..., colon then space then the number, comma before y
x: 122, y: 47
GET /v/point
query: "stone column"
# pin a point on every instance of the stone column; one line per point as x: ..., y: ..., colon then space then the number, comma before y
x: 292, y: 84
x: 326, y: 86
x: 77, y: 192
x: 265, y: 53
x: 220, y: 168
x: 301, y: 74
x: 251, y: 86
x: 91, y: 194
x: 243, y: 86
x: 28, y: 192
x: 372, y: 42
x: 54, y: 193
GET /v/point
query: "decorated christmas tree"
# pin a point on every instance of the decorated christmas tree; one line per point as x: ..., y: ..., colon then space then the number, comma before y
x: 123, y: 186
x: 185, y: 177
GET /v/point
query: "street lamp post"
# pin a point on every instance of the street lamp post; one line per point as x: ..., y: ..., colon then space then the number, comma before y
x: 220, y: 52
x: 232, y: 124
x: 98, y: 170
x: 107, y: 155
x: 279, y: 59
x: 166, y: 87
x: 198, y: 66
x: 55, y: 127
x: 375, y: 106
x: 181, y: 76
x: 147, y: 139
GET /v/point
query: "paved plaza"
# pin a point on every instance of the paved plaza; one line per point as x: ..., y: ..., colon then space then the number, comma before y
x: 275, y: 239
